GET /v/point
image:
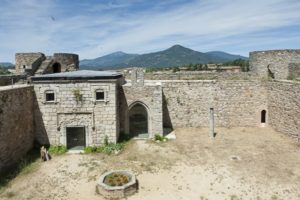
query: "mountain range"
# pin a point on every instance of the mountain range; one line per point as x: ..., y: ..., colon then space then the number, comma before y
x: 6, y: 65
x: 176, y: 55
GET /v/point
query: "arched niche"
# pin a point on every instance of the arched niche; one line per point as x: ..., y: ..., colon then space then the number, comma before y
x: 138, y: 120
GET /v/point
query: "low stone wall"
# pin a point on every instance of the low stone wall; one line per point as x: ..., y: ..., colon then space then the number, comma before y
x: 16, y: 124
x: 236, y: 103
x: 9, y: 79
x: 284, y: 106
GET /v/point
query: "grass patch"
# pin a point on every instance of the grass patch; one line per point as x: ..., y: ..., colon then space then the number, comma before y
x: 158, y: 137
x: 90, y: 149
x: 106, y: 148
x: 57, y: 149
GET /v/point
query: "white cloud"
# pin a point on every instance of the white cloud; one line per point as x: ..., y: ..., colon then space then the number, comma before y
x: 211, y: 19
x: 100, y: 29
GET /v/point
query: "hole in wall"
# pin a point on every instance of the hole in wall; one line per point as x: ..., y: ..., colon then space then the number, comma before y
x: 263, y: 116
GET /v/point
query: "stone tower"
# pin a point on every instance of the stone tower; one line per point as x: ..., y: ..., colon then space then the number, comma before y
x: 137, y: 77
x: 38, y: 63
x: 274, y: 62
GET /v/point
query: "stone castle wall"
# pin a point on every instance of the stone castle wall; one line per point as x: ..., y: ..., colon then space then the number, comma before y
x: 16, y: 124
x: 284, y: 107
x: 187, y: 103
x: 239, y: 103
x: 98, y: 117
x: 235, y: 103
x: 277, y: 60
x: 177, y: 103
x: 199, y: 75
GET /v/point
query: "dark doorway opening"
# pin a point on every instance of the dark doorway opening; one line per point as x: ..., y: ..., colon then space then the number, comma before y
x: 56, y: 68
x: 263, y: 116
x: 138, y: 121
x: 75, y: 138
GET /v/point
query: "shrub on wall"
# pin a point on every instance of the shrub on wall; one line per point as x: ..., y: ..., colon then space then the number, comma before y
x: 77, y: 95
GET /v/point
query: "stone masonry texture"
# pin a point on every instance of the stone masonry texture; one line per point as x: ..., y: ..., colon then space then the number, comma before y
x: 294, y: 71
x: 29, y: 61
x: 284, y: 107
x: 236, y: 103
x: 98, y: 117
x: 277, y: 60
x: 38, y: 63
x: 150, y: 96
x: 16, y: 125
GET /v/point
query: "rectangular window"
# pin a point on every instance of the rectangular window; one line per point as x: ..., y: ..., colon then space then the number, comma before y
x: 50, y: 96
x: 99, y: 95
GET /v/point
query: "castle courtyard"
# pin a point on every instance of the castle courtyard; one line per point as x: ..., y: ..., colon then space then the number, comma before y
x: 150, y: 100
x: 240, y: 163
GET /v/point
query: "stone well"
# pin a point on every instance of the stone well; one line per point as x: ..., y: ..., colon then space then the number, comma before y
x: 117, y: 192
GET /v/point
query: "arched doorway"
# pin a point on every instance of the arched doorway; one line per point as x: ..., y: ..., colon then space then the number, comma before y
x: 138, y: 121
x: 56, y: 68
x: 263, y: 116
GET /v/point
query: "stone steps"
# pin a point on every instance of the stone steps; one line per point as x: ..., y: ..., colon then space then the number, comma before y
x: 44, y: 66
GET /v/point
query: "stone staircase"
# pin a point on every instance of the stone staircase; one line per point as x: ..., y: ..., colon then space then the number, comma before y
x: 45, y: 66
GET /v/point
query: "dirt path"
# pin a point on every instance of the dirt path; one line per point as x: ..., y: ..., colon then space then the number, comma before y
x: 241, y: 163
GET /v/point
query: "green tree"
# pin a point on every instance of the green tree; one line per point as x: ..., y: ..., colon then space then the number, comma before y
x: 175, y: 69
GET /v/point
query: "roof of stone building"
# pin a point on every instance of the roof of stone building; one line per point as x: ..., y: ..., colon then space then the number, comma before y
x: 78, y: 75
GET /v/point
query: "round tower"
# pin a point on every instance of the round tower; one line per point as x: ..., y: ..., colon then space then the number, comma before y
x: 65, y: 62
x: 273, y: 63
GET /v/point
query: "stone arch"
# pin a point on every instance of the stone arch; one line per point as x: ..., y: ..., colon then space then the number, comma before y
x: 56, y: 67
x: 138, y: 120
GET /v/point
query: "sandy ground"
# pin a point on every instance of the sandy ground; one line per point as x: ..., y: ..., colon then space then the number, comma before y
x: 240, y: 163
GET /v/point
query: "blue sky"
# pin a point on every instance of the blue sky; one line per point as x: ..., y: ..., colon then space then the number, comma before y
x: 94, y: 28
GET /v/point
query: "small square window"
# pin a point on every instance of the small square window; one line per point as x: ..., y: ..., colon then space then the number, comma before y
x: 50, y: 96
x: 99, y: 95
